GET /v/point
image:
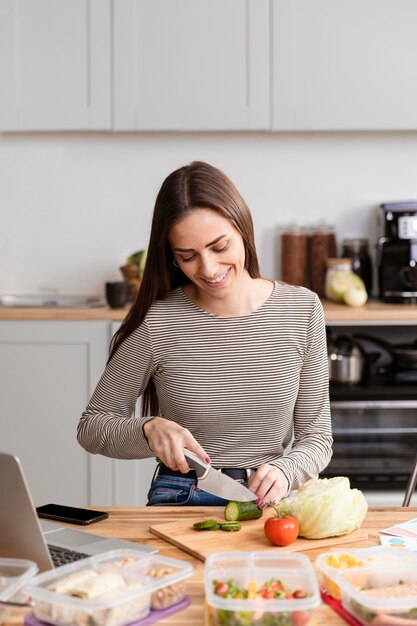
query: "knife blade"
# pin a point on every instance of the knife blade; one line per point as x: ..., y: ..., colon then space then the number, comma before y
x: 217, y: 483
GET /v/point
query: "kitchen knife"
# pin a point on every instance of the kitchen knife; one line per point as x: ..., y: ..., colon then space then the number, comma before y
x: 217, y: 483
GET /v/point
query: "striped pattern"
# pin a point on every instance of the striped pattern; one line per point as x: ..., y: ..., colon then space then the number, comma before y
x: 244, y: 386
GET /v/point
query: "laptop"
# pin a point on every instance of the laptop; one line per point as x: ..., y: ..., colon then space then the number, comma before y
x: 24, y: 536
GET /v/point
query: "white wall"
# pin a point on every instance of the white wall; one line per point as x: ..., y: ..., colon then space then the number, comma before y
x: 73, y: 206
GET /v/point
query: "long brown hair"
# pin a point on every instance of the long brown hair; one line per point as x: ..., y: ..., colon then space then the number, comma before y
x: 198, y: 185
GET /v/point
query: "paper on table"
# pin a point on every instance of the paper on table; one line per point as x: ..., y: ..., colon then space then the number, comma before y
x: 398, y: 532
x: 406, y: 529
x: 410, y: 526
x: 399, y: 542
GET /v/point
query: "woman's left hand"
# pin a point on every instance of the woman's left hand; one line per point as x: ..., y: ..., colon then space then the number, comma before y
x: 269, y: 483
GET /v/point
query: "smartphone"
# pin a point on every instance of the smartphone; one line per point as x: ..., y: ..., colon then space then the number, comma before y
x: 70, y: 514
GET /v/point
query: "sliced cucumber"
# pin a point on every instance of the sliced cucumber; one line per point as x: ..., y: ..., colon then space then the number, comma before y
x: 230, y: 526
x: 240, y: 511
x: 207, y: 524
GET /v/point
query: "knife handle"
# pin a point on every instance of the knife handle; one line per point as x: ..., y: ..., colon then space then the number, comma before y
x: 196, y: 463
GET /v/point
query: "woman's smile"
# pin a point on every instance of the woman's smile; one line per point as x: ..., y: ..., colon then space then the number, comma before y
x: 219, y: 280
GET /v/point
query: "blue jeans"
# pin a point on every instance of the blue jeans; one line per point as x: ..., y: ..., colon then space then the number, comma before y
x: 180, y: 491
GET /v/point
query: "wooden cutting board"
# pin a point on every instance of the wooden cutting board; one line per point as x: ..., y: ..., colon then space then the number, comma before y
x: 250, y: 538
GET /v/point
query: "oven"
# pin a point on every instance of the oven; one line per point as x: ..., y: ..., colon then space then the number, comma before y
x: 375, y: 434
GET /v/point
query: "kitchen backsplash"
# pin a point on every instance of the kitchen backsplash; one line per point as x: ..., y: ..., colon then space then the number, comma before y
x: 73, y: 206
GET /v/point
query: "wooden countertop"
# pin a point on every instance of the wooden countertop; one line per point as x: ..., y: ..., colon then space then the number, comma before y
x: 373, y: 313
x: 133, y: 523
x: 38, y: 313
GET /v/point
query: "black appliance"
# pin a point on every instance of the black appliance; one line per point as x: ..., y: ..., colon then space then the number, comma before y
x: 375, y: 433
x: 397, y: 252
x: 374, y: 422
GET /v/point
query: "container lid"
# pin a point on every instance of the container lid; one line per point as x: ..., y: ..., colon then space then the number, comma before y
x: 322, y: 228
x: 247, y: 568
x: 355, y: 242
x: 14, y: 574
x: 395, y: 207
x: 335, y: 560
x: 381, y: 567
x: 332, y: 262
x: 293, y: 229
x: 137, y: 566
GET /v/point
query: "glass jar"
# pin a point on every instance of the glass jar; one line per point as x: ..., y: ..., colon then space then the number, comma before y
x: 357, y: 250
x: 322, y: 246
x: 293, y: 255
x: 338, y: 272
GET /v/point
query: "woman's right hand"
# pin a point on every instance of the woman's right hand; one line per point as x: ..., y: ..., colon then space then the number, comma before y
x: 167, y: 440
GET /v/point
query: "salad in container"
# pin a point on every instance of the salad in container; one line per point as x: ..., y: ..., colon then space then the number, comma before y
x: 259, y: 589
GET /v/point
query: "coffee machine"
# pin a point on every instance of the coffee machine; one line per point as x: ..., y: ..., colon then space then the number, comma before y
x: 397, y: 252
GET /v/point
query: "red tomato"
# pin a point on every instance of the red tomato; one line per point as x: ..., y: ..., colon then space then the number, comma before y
x: 300, y: 618
x: 221, y: 589
x: 277, y: 586
x: 281, y: 531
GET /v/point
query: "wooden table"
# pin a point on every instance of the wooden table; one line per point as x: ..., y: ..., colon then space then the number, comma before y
x: 133, y: 524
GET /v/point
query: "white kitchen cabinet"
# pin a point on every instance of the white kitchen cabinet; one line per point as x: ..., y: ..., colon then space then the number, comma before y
x: 191, y: 65
x: 344, y: 65
x: 48, y: 370
x: 55, y: 65
x: 130, y: 479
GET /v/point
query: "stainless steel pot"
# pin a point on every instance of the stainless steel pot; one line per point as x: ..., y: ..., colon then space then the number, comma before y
x: 346, y: 359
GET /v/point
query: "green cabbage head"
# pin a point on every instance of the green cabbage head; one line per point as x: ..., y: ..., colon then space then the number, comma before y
x: 325, y: 507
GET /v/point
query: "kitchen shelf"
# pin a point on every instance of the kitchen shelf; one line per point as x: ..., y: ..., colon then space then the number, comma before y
x: 374, y: 313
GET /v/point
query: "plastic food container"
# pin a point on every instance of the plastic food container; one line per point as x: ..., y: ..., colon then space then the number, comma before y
x: 112, y: 589
x: 383, y: 590
x: 253, y: 572
x: 14, y: 574
x: 332, y: 563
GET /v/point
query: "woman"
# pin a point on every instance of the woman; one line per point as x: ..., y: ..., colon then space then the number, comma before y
x: 228, y: 364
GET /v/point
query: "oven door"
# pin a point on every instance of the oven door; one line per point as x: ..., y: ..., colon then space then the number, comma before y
x: 375, y: 443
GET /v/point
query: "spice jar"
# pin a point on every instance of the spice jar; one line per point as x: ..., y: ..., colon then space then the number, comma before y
x: 338, y: 273
x: 357, y: 250
x: 322, y: 247
x: 293, y: 255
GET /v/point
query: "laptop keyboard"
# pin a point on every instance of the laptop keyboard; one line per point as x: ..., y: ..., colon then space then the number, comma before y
x: 62, y: 556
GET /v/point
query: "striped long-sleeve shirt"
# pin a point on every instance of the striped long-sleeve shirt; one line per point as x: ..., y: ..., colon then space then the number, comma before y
x: 251, y: 389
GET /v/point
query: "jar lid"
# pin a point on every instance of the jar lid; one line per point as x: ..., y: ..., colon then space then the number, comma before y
x: 292, y: 229
x: 322, y: 229
x: 332, y: 262
x: 355, y: 242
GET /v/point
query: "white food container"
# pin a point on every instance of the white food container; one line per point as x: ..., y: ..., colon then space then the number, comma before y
x: 381, y: 591
x: 333, y: 562
x: 14, y: 574
x: 113, y: 589
x: 249, y: 568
